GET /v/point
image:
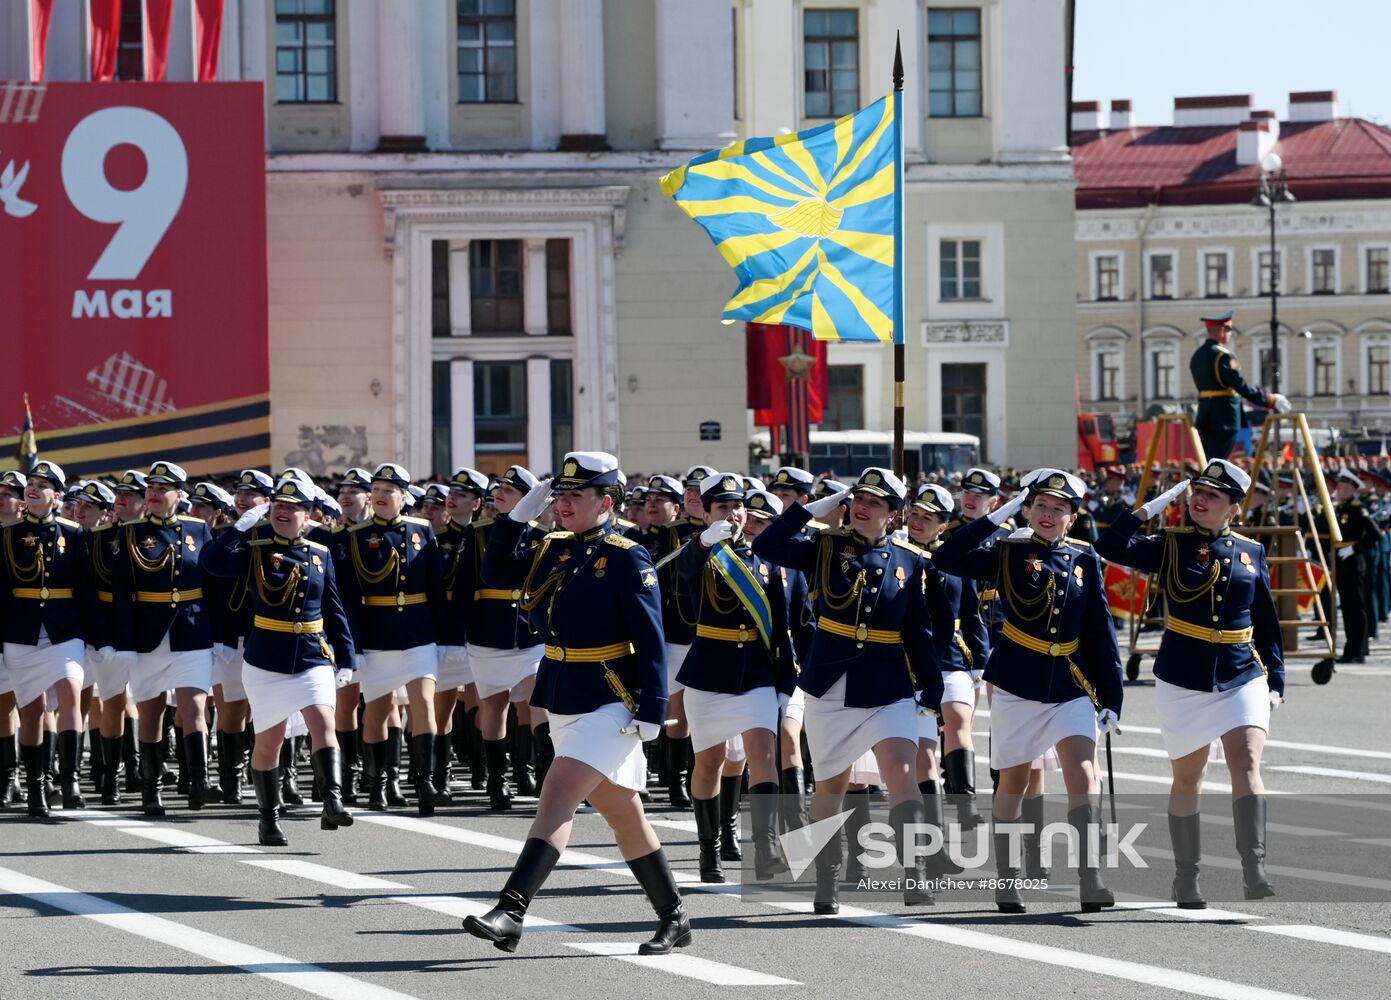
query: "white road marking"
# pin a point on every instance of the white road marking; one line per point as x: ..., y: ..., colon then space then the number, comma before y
x: 457, y: 906
x: 682, y: 964
x: 1328, y: 935
x: 1286, y: 828
x: 174, y: 837
x: 1331, y: 772
x: 1158, y: 779
x: 1308, y: 874
x: 1170, y: 910
x: 684, y: 825
x: 191, y: 940
x: 335, y: 877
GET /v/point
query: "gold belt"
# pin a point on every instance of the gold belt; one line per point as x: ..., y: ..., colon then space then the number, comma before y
x: 42, y: 593
x: 1225, y: 637
x: 399, y: 601
x: 589, y: 654
x: 276, y: 625
x: 1019, y: 638
x: 168, y: 596
x: 105, y: 596
x: 741, y: 634
x: 1215, y: 393
x: 863, y: 633
x: 496, y: 594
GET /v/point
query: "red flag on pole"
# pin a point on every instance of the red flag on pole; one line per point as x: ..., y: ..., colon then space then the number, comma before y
x: 765, y: 350
x: 159, y: 19
x: 106, y: 37
x: 207, y: 38
x: 40, y: 17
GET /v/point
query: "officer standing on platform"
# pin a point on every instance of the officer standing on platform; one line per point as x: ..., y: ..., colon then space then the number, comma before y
x: 1221, y: 389
x: 1360, y: 537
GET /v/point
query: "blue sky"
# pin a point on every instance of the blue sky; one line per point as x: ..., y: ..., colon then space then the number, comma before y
x: 1152, y: 51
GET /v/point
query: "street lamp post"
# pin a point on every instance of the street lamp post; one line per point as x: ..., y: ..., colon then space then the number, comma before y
x: 1271, y: 190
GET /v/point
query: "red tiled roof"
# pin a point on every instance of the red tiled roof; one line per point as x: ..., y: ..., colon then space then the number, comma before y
x: 1346, y: 158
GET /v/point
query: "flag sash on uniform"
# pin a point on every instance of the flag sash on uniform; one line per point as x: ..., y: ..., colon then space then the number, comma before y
x: 746, y: 587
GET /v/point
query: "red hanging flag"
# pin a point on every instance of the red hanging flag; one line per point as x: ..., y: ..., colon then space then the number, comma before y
x: 106, y: 37
x: 765, y: 350
x: 40, y: 17
x: 159, y: 19
x: 207, y: 38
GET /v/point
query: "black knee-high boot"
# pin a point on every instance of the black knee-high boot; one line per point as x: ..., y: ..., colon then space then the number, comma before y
x: 793, y: 799
x: 34, y: 766
x: 289, y: 774
x: 905, y: 817
x: 1091, y: 890
x: 110, y: 784
x: 959, y: 774
x: 96, y: 759
x: 9, y: 769
x: 423, y: 749
x: 439, y: 777
x: 502, y: 925
x: 130, y: 755
x: 707, y: 819
x: 151, y: 769
x: 196, y: 767
x: 327, y: 776
x: 180, y: 758
x: 1031, y: 814
x: 477, y: 758
x: 50, y: 791
x: 857, y: 802
x: 347, y: 759
x: 1007, y: 896
x: 394, y: 797
x: 676, y: 773
x: 69, y: 752
x: 374, y: 773
x: 545, y: 753
x: 267, y: 785
x: 1186, y: 835
x: 763, y: 805
x: 673, y: 925
x: 941, y: 862
x: 523, y: 766
x: 730, y: 789
x: 828, y: 862
x: 499, y: 797
x: 1249, y: 817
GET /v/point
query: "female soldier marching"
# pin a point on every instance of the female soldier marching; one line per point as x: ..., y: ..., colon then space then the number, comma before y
x: 1054, y: 666
x: 593, y: 597
x: 1220, y: 667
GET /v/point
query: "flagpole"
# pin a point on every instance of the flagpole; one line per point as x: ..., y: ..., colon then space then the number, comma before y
x: 899, y: 359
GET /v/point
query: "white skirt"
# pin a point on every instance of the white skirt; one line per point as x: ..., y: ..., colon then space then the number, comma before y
x: 927, y: 728
x: 111, y: 675
x: 865, y: 770
x: 35, y: 669
x: 958, y: 686
x: 276, y: 697
x: 164, y: 670
x: 6, y: 685
x: 227, y: 671
x: 838, y: 736
x: 1189, y: 720
x: 715, y: 717
x: 382, y: 671
x: 796, y: 709
x: 594, y: 739
x: 676, y: 655
x: 454, y: 669
x: 1022, y: 731
x: 499, y: 670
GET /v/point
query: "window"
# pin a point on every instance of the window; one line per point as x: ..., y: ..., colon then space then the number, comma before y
x: 495, y: 285
x: 1325, y: 271
x: 1379, y: 370
x: 963, y: 400
x: 1108, y: 277
x: 959, y: 269
x: 562, y: 406
x: 487, y: 51
x: 130, y: 46
x: 1163, y: 382
x: 441, y: 416
x: 845, y: 403
x: 1108, y: 373
x: 953, y: 63
x: 306, y: 70
x: 558, y: 289
x: 1215, y: 275
x: 440, y: 325
x: 831, y: 62
x: 499, y: 406
x: 1162, y: 276
x: 1264, y: 363
x: 1378, y: 270
x: 1325, y: 371
x: 1264, y: 277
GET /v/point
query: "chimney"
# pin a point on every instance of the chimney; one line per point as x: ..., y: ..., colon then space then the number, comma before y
x: 1086, y: 116
x: 1227, y: 109
x: 1254, y: 139
x: 1269, y: 118
x: 1120, y: 115
x: 1313, y: 105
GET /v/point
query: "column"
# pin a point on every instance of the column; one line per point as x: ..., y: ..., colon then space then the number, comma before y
x: 401, y: 75
x: 1030, y: 57
x: 538, y: 415
x: 883, y: 18
x: 582, y: 120
x: 535, y: 311
x: 772, y: 89
x: 363, y: 83
x: 181, y: 55
x: 461, y: 412
x: 695, y: 84
x: 437, y: 35
x: 229, y: 57
x: 460, y: 311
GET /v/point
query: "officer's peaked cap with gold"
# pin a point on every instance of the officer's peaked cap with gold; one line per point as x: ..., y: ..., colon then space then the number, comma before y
x: 697, y: 474
x: 292, y: 489
x: 212, y: 495
x: 721, y: 486
x: 255, y: 481
x: 828, y: 487
x: 792, y: 478
x: 934, y: 499
x: 1347, y: 476
x: 471, y: 480
x: 879, y: 482
x: 519, y: 478
x: 390, y: 472
x: 167, y: 473
x: 97, y: 494
x: 1055, y: 483
x: 435, y: 493
x: 762, y: 504
x: 14, y: 479
x: 1225, y: 477
x: 582, y: 469
x: 132, y: 481
x: 666, y: 487
x: 355, y: 478
x: 980, y: 481
x: 50, y: 471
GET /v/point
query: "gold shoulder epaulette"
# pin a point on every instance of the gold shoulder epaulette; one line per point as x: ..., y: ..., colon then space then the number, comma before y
x: 105, y: 525
x: 1245, y: 538
x: 1179, y: 529
x: 624, y: 523
x: 904, y: 543
x: 66, y: 523
x: 416, y: 520
x: 261, y: 541
x: 1081, y: 542
x: 315, y: 545
x: 190, y: 519
x: 340, y: 527
x: 815, y: 525
x: 557, y: 535
x: 620, y: 541
x: 835, y: 533
x: 481, y: 523
x: 360, y: 525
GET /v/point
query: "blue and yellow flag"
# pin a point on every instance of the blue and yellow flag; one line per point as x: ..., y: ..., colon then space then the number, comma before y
x: 812, y: 224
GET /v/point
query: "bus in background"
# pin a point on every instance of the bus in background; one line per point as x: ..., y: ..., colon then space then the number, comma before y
x: 843, y: 454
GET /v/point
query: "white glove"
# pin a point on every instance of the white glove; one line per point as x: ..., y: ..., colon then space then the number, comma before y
x: 826, y: 506
x: 252, y: 517
x: 1282, y: 405
x: 1276, y: 700
x: 342, y: 678
x: 1005, y: 511
x: 1157, y: 505
x: 1346, y: 552
x: 529, y: 507
x: 720, y: 531
x: 1109, y: 721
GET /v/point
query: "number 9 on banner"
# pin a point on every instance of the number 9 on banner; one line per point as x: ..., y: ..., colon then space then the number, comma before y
x: 144, y: 213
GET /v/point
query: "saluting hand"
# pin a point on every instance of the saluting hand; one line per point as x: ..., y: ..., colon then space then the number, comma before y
x: 826, y: 506
x: 1158, y: 504
x: 252, y: 517
x: 531, y: 506
x: 1008, y: 509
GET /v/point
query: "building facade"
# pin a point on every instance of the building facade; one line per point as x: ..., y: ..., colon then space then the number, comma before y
x: 1167, y: 233
x: 471, y: 261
